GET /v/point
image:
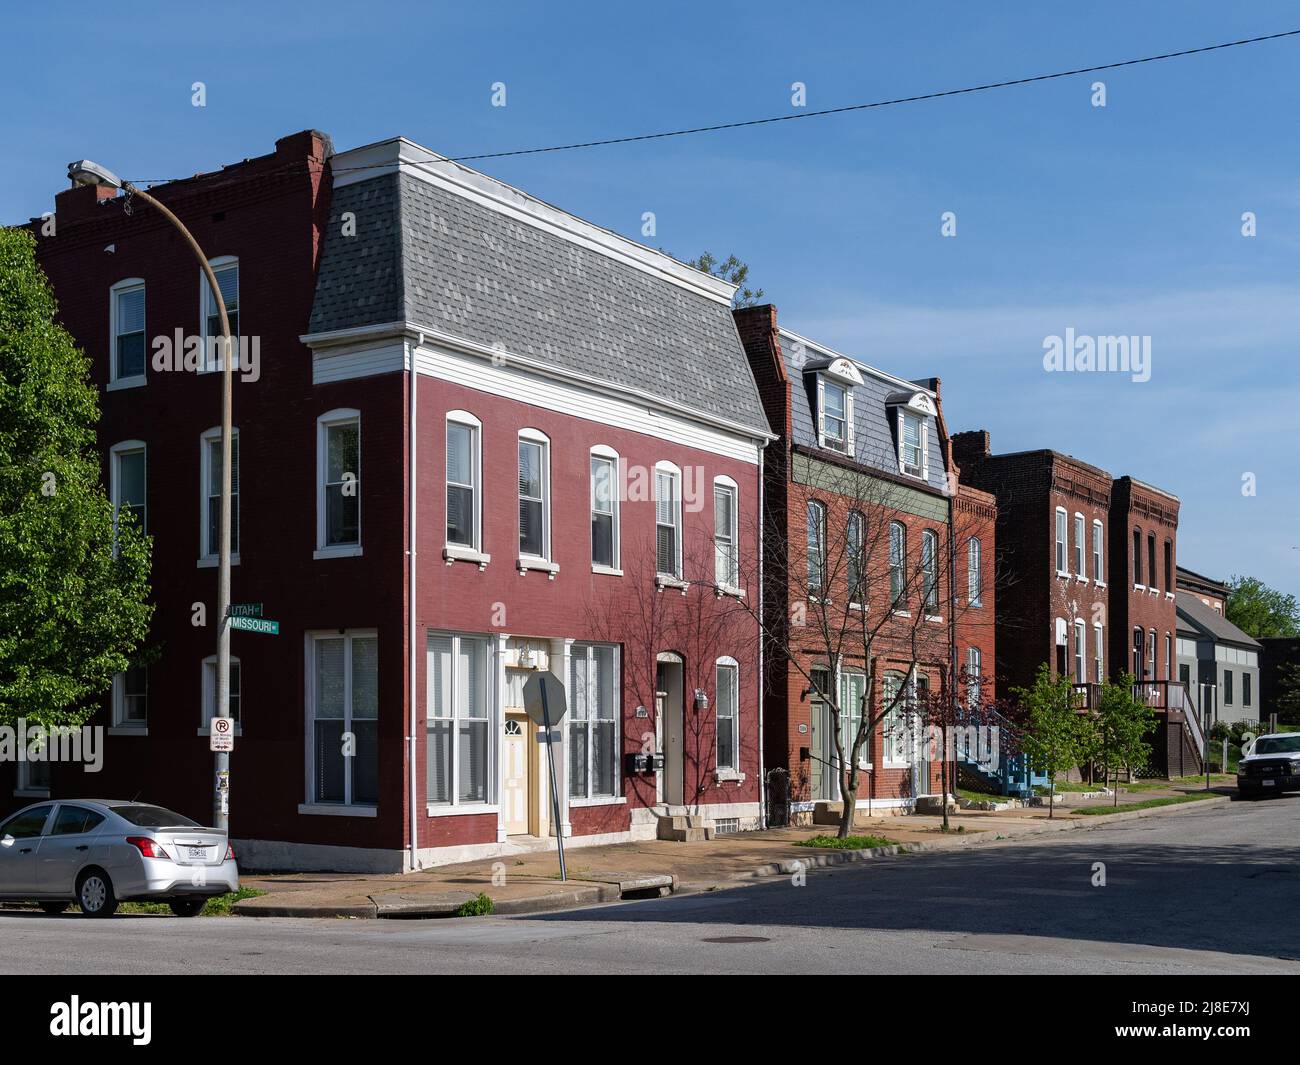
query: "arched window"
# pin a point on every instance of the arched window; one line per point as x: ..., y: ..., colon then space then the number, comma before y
x: 816, y: 546
x: 930, y: 570
x: 897, y: 565
x: 974, y: 572
x: 854, y: 533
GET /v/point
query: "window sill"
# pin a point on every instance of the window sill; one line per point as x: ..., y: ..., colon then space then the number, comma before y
x: 901, y: 613
x: 1100, y: 583
x: 896, y: 765
x: 599, y: 800
x: 935, y: 618
x: 723, y: 776
x: 608, y: 571
x: 452, y: 553
x: 206, y: 731
x: 719, y: 590
x: 1064, y: 574
x: 975, y: 604
x: 858, y: 607
x: 663, y: 581
x: 212, y: 562
x: 1081, y: 578
x: 524, y: 564
x: 1169, y: 595
x: 1139, y: 587
x: 138, y: 381
x: 338, y: 551
x: 337, y: 810
x: 467, y: 810
x: 128, y: 730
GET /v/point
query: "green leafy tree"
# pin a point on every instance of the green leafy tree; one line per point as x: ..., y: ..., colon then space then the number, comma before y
x: 1287, y: 703
x: 1261, y: 611
x: 73, y: 603
x: 732, y: 270
x: 1123, y: 723
x: 1051, y: 739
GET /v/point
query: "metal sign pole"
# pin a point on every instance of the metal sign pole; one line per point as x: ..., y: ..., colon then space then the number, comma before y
x: 555, y: 790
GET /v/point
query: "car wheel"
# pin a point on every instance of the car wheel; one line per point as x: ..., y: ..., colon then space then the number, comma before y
x: 95, y: 894
x: 53, y: 907
x: 187, y: 907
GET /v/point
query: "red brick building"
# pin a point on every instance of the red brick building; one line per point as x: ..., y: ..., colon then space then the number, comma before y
x: 863, y: 532
x: 483, y: 438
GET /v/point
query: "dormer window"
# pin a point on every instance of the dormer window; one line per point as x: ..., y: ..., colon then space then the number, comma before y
x: 835, y: 379
x: 834, y: 416
x: 912, y: 410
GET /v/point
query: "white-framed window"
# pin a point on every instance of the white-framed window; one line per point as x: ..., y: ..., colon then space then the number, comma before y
x: 338, y: 483
x: 834, y: 415
x: 460, y: 755
x: 975, y: 572
x: 855, y: 545
x: 726, y: 533
x: 895, y: 738
x: 853, y: 687
x: 343, y: 718
x: 913, y: 444
x: 210, y: 692
x: 727, y: 673
x: 1080, y: 653
x: 1061, y: 563
x: 816, y: 520
x: 1151, y: 655
x: 128, y: 356
x: 464, y: 474
x: 1079, y: 570
x: 1098, y: 653
x: 210, y: 494
x: 1137, y: 557
x: 974, y: 673
x: 127, y: 484
x: 930, y: 570
x: 131, y: 698
x: 604, y: 509
x: 226, y: 269
x: 534, y: 495
x: 668, y: 520
x: 593, y: 722
x: 1098, y: 552
x: 897, y: 564
x: 1169, y: 657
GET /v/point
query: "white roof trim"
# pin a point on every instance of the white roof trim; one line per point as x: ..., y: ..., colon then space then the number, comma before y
x: 874, y: 371
x: 399, y: 154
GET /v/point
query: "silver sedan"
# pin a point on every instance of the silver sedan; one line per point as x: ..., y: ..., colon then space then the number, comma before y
x: 99, y: 852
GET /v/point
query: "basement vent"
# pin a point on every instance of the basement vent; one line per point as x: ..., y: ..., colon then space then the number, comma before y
x: 726, y: 826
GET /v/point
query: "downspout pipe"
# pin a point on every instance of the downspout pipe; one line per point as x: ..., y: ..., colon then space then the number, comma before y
x: 762, y: 691
x: 411, y: 649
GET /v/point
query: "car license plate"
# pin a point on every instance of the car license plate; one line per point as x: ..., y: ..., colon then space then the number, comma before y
x: 1267, y: 784
x: 200, y: 854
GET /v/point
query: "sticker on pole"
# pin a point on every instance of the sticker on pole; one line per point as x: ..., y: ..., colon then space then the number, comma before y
x: 221, y: 736
x: 549, y: 687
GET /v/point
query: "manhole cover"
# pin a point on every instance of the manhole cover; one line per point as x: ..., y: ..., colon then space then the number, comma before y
x: 736, y: 939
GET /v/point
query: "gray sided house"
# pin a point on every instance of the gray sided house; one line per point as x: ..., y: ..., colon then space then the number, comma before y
x: 1216, y: 660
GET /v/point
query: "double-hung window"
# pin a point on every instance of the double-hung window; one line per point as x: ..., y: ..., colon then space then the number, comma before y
x: 894, y: 735
x: 126, y: 314
x: 593, y: 722
x: 1152, y: 577
x: 210, y: 691
x: 855, y: 536
x: 338, y: 505
x: 210, y: 501
x: 1098, y: 573
x: 835, y: 412
x: 911, y: 443
x: 604, y: 510
x: 974, y: 672
x: 668, y: 521
x: 127, y: 484
x: 1079, y: 570
x: 930, y: 570
x: 1061, y: 563
x: 975, y: 572
x: 816, y: 547
x: 343, y: 713
x: 1098, y: 654
x: 1080, y: 655
x: 131, y: 698
x: 534, y: 495
x: 463, y: 465
x: 1137, y: 557
x: 226, y: 270
x: 897, y: 565
x: 728, y: 714
x: 1227, y: 687
x: 458, y: 727
x: 726, y: 559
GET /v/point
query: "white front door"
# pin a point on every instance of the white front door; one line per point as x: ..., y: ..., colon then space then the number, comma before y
x: 514, y: 761
x: 669, y: 703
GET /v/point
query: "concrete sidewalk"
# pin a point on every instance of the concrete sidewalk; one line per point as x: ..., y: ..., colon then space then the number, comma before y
x: 530, y: 883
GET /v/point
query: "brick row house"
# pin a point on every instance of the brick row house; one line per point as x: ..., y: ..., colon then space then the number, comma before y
x: 1093, y: 595
x: 486, y: 438
x: 884, y: 572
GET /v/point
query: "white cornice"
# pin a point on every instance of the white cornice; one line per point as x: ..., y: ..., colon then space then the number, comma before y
x: 831, y: 353
x: 399, y: 154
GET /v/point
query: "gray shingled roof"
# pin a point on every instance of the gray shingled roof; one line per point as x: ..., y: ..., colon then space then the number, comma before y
x: 1201, y: 616
x: 428, y: 256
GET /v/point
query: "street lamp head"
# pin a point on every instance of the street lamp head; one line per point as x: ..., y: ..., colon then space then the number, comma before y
x: 86, y: 172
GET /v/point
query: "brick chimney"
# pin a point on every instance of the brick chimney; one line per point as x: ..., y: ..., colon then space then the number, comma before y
x: 970, y: 447
x: 79, y: 202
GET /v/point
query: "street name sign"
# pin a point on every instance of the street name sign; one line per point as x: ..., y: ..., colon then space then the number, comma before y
x: 265, y: 625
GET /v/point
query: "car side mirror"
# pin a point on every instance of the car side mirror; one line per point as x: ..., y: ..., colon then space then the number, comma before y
x: 8, y: 841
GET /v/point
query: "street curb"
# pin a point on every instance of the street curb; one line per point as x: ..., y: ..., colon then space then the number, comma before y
x: 589, y: 892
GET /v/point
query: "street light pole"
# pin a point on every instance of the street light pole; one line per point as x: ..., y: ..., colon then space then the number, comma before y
x: 84, y: 172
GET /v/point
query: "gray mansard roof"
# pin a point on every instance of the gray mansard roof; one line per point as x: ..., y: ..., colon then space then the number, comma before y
x: 874, y: 401
x: 442, y: 258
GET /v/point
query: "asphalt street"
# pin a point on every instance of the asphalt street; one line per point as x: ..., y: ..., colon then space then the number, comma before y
x: 1203, y: 889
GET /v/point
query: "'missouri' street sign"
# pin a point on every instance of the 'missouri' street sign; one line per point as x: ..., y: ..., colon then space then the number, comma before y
x: 263, y: 625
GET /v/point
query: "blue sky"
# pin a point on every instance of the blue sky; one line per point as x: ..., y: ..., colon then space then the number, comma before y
x: 1117, y: 220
